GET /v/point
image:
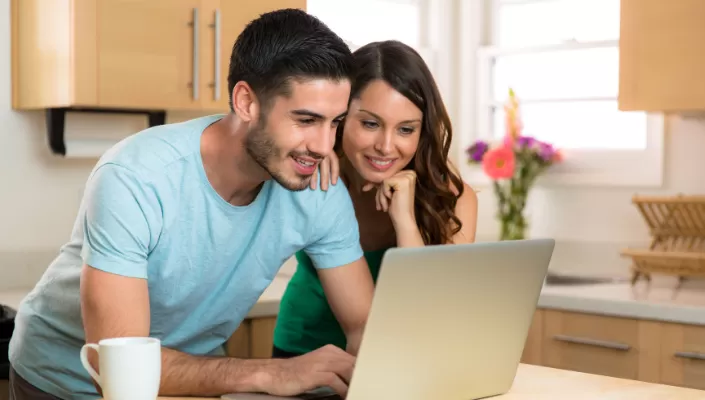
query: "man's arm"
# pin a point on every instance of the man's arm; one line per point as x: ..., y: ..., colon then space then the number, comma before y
x: 343, y: 271
x: 349, y: 290
x: 118, y: 306
x: 122, y: 223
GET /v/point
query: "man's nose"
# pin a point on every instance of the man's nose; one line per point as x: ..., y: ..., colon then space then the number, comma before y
x: 322, y: 142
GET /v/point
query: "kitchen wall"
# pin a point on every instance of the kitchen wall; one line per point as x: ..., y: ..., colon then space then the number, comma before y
x: 39, y: 192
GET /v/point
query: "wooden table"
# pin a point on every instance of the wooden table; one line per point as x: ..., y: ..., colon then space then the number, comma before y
x: 541, y: 383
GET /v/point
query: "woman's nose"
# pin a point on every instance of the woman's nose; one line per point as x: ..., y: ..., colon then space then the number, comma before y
x: 384, y: 143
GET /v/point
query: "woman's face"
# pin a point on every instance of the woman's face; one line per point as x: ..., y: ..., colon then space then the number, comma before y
x: 381, y: 132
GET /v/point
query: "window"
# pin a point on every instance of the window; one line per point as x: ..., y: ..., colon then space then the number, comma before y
x: 363, y: 21
x: 562, y: 59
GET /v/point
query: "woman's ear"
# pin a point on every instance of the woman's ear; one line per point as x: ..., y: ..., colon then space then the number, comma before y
x: 245, y: 103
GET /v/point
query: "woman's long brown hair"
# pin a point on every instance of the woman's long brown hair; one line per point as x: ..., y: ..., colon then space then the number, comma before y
x: 438, y: 187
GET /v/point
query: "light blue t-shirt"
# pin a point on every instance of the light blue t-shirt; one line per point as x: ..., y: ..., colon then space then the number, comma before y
x: 149, y: 212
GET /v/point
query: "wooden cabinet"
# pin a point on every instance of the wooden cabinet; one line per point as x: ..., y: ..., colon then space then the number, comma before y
x: 253, y: 339
x: 644, y: 350
x: 683, y: 355
x: 130, y: 54
x: 225, y: 19
x: 4, y: 390
x: 144, y: 51
x: 533, y: 345
x: 662, y: 53
x: 600, y: 345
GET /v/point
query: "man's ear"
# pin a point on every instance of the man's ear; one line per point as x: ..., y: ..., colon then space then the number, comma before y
x: 245, y: 103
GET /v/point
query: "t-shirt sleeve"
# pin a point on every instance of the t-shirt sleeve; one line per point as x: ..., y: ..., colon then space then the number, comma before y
x: 122, y: 220
x: 336, y: 235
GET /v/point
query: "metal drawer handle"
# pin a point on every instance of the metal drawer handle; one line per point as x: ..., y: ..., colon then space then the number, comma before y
x: 216, y: 55
x: 593, y: 342
x: 689, y: 355
x: 194, y: 25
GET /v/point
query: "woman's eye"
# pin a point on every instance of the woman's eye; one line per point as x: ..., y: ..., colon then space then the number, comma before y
x: 407, y: 130
x: 370, y: 124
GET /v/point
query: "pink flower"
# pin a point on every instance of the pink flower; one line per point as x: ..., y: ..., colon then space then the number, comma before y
x: 557, y: 156
x: 499, y: 163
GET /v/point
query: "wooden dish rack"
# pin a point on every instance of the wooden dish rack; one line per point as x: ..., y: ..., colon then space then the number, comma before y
x: 677, y: 228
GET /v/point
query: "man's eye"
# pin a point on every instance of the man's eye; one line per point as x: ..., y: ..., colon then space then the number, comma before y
x: 307, y: 121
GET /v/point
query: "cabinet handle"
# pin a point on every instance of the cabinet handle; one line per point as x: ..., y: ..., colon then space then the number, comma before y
x: 592, y: 342
x: 216, y: 55
x: 690, y: 355
x: 194, y: 83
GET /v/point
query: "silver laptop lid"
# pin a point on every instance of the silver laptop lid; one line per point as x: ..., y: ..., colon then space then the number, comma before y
x: 450, y: 322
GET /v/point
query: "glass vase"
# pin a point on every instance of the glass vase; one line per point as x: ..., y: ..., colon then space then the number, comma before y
x: 510, y: 211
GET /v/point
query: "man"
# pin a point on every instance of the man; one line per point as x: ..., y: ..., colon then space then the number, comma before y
x: 183, y: 226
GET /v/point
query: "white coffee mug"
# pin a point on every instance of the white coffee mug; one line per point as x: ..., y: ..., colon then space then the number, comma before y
x: 130, y: 367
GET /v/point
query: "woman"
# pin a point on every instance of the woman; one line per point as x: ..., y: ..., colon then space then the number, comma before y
x: 393, y: 150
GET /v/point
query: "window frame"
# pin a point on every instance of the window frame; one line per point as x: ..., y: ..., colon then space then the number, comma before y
x: 581, y: 167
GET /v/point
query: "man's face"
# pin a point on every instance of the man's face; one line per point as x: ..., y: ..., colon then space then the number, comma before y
x: 299, y: 131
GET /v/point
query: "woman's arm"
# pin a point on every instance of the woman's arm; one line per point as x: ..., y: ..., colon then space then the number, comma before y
x: 466, y: 211
x: 408, y: 234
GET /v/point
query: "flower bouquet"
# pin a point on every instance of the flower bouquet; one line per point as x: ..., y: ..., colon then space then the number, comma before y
x: 513, y: 165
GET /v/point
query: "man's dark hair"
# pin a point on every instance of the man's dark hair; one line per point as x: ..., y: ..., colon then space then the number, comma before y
x: 285, y: 45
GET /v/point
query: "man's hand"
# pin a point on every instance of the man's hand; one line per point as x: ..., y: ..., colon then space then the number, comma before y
x: 118, y: 306
x: 326, y: 366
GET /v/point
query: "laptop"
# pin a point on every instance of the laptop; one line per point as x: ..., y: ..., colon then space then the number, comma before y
x: 447, y: 322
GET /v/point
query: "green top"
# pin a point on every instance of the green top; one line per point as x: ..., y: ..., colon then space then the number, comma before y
x: 305, y: 321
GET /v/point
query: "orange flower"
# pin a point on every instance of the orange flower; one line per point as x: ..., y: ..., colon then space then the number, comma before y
x: 499, y: 163
x: 513, y: 124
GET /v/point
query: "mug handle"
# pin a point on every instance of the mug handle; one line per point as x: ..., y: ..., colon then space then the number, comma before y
x: 86, y: 364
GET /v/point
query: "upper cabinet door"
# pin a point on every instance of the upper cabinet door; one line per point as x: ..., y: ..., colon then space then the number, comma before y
x: 662, y: 54
x: 148, y: 53
x: 128, y: 54
x: 225, y: 19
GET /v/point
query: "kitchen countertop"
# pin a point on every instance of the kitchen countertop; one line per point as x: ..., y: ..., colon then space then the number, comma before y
x: 662, y: 300
x: 542, y: 383
x: 267, y: 305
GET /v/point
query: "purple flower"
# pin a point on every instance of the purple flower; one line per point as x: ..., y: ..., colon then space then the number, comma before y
x: 525, y: 141
x: 546, y: 151
x: 477, y: 150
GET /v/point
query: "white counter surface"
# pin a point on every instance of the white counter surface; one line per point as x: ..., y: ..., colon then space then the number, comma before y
x: 268, y: 304
x: 662, y: 300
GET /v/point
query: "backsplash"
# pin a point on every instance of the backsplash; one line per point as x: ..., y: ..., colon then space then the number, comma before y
x: 24, y: 269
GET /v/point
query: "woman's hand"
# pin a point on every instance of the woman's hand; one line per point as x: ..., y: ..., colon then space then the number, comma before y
x: 330, y: 171
x: 396, y: 196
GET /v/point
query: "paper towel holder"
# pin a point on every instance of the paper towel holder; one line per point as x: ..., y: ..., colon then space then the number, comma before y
x: 56, y: 120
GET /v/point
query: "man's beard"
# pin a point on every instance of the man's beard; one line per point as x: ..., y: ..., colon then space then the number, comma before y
x: 261, y: 147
